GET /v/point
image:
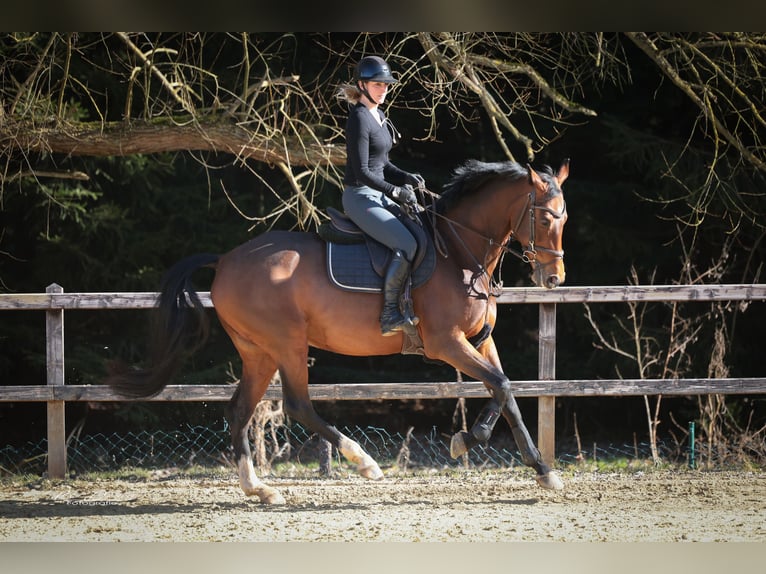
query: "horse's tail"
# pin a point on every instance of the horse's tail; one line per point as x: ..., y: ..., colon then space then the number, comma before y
x: 178, y: 328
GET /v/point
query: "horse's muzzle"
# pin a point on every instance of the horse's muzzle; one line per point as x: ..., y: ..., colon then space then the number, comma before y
x: 552, y: 281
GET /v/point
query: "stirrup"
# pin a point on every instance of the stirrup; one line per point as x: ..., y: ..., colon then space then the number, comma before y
x: 402, y: 324
x: 394, y: 328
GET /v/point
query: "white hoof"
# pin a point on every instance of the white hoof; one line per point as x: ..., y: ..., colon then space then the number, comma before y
x: 365, y: 464
x: 371, y: 471
x: 251, y: 486
x: 457, y: 445
x: 265, y: 494
x: 550, y: 480
x: 272, y: 497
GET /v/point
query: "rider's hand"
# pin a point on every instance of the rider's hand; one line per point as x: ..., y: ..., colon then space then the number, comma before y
x: 404, y: 195
x: 416, y: 180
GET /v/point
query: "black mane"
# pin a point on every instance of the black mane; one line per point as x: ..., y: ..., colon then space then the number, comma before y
x: 474, y: 174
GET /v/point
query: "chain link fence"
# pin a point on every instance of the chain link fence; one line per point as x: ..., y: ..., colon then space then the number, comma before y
x: 191, y: 446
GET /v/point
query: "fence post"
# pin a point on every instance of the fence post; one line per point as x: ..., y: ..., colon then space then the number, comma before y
x: 54, y: 340
x: 546, y: 371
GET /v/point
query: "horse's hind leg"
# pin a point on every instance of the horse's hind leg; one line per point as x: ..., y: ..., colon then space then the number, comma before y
x: 257, y: 371
x: 303, y: 411
x: 297, y: 404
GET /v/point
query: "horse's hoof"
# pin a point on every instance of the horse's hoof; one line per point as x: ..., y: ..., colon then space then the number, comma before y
x: 272, y: 497
x: 266, y: 495
x: 371, y: 472
x: 550, y: 480
x: 457, y: 445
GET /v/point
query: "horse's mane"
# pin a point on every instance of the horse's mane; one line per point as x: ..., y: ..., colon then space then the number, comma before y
x: 474, y: 174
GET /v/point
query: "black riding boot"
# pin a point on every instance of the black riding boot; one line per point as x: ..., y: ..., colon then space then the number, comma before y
x: 391, y: 319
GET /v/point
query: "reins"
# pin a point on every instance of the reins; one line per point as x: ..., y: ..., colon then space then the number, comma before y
x: 527, y: 254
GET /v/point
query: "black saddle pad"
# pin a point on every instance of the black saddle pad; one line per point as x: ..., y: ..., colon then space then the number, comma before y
x: 349, y: 267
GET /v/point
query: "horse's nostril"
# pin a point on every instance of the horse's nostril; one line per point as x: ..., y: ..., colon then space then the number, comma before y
x: 553, y: 281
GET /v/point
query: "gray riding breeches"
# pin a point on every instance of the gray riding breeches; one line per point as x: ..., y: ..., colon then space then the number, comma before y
x: 366, y: 207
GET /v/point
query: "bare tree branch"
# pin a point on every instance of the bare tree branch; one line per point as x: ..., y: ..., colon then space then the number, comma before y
x: 113, y: 139
x: 703, y: 95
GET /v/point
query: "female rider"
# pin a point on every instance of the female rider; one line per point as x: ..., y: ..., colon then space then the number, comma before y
x: 371, y: 182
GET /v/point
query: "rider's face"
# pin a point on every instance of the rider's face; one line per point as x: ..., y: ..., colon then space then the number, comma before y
x: 377, y: 91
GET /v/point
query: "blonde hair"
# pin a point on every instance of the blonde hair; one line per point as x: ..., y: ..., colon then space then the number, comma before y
x: 349, y: 93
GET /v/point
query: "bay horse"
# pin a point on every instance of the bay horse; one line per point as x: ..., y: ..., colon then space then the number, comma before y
x: 273, y: 298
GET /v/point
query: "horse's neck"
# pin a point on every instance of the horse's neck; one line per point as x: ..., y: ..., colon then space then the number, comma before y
x: 483, y: 226
x: 469, y: 243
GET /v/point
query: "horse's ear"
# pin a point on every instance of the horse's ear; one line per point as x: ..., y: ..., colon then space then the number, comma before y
x: 534, y: 178
x: 563, y: 173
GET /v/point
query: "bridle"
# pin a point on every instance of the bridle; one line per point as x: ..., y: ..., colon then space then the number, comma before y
x: 528, y: 254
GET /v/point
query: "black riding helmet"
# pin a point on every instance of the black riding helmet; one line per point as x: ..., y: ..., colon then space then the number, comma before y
x: 373, y: 69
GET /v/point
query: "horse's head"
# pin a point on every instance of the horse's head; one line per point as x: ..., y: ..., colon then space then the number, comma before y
x: 541, y: 235
x: 520, y: 204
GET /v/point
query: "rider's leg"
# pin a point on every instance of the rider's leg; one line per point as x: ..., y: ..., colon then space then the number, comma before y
x: 391, y: 318
x: 367, y: 208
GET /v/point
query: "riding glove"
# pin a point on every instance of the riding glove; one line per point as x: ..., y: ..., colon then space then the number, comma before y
x: 404, y: 195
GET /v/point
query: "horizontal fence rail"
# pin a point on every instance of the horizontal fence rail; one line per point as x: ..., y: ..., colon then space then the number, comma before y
x: 56, y: 393
x: 607, y: 294
x: 403, y: 391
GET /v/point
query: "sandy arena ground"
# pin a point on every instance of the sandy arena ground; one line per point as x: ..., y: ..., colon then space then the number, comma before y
x: 468, y: 506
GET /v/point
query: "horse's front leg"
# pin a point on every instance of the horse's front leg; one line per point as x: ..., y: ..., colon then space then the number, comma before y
x: 530, y: 455
x: 465, y: 358
x: 504, y: 403
x: 480, y: 432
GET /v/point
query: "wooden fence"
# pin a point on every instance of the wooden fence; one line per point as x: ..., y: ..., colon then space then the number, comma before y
x: 546, y: 388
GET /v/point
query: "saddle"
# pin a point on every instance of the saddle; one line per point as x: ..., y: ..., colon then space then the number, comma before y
x: 357, y: 262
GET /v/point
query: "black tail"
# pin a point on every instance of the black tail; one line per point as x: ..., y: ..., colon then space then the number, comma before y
x: 178, y: 328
